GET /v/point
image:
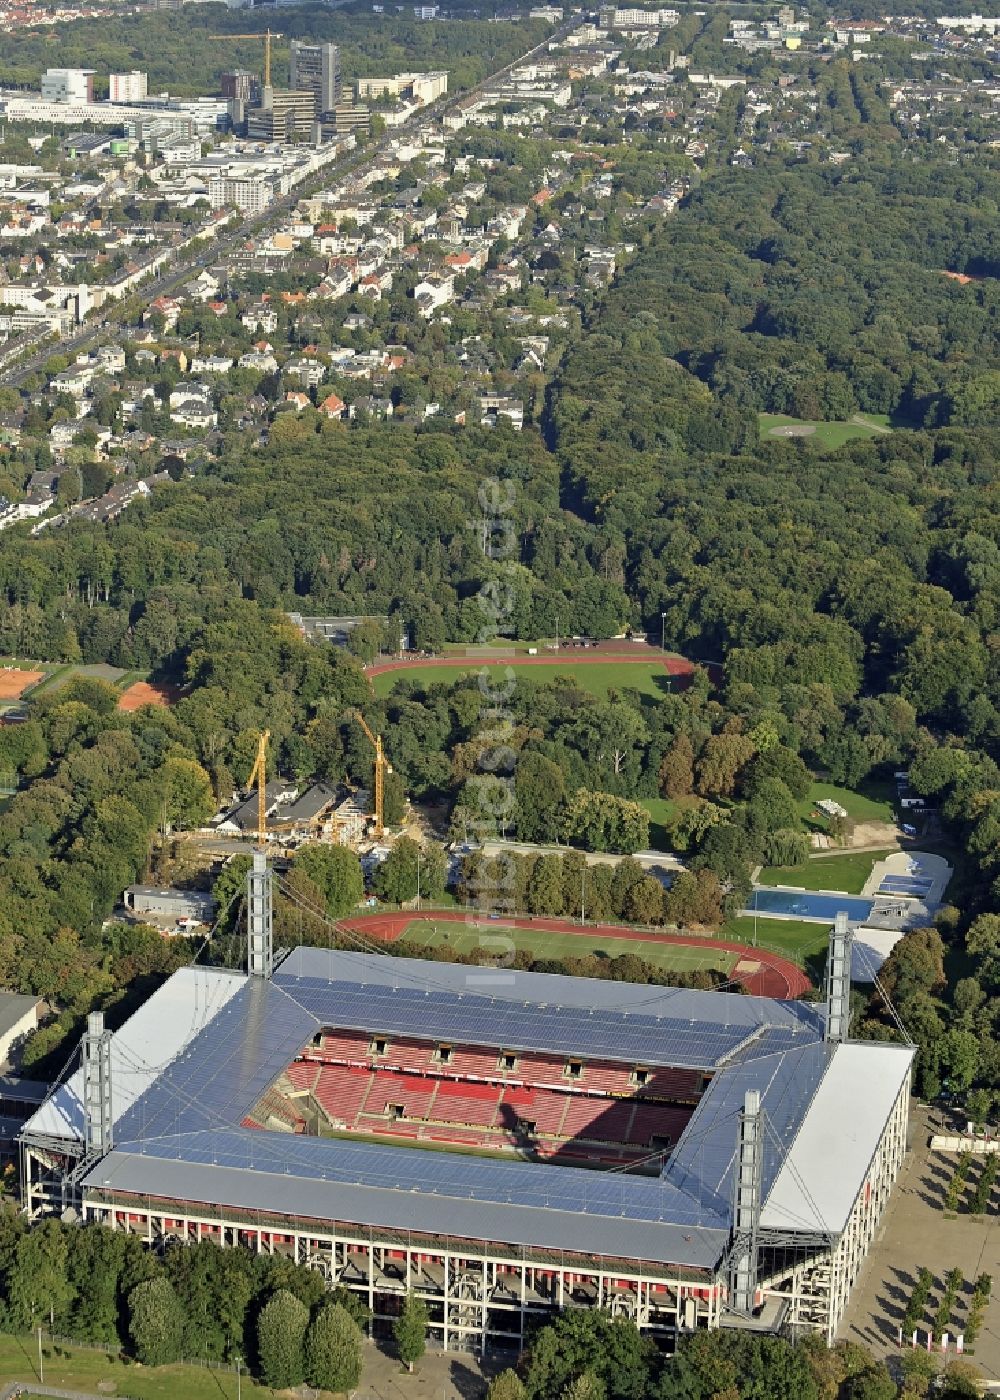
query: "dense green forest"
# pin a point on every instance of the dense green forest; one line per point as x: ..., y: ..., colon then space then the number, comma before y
x: 183, y: 55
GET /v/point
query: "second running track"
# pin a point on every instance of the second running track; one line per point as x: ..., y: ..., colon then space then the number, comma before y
x: 762, y: 973
x: 675, y: 666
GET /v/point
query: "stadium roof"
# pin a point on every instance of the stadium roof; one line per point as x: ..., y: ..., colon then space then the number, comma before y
x: 191, y: 1063
x: 668, y: 1026
x: 150, y: 1042
x: 843, y: 1124
x: 529, y: 1204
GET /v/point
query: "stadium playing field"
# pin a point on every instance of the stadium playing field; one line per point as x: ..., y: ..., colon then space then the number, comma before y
x: 496, y: 937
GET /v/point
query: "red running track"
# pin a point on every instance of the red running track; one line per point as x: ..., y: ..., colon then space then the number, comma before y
x: 673, y: 665
x: 774, y: 977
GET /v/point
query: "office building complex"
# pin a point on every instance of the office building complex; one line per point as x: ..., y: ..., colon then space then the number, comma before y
x: 68, y: 85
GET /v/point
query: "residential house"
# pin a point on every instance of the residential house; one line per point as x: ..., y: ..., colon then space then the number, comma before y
x: 493, y: 407
x: 309, y: 371
x: 434, y: 291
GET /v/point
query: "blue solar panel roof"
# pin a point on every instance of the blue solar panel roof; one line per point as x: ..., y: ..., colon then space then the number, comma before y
x: 182, y: 1137
x: 702, y: 1164
x: 667, y: 1026
x: 435, y: 1194
x: 225, y: 1069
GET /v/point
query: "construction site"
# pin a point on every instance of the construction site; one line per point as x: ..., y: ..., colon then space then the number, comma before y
x: 504, y: 1144
x: 274, y: 809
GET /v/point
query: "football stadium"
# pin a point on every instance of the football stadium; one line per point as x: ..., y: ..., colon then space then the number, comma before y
x: 503, y: 1144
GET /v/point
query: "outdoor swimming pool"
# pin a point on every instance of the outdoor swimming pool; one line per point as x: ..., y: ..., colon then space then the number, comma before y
x: 801, y: 904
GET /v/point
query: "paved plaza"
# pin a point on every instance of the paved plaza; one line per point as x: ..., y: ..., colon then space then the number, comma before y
x: 915, y: 1233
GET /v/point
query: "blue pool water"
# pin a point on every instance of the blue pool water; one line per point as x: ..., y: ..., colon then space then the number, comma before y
x: 803, y: 905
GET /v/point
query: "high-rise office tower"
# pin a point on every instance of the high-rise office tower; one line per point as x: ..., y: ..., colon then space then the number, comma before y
x: 315, y: 68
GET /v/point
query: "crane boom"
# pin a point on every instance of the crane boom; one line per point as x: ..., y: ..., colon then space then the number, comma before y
x: 258, y: 777
x: 267, y: 35
x: 382, y: 766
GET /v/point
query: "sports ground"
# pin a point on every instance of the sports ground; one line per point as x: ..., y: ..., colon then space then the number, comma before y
x: 760, y: 971
x: 826, y: 434
x: 141, y: 693
x: 596, y: 672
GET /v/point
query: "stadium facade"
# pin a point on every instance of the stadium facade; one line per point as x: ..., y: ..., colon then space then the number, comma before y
x: 749, y: 1147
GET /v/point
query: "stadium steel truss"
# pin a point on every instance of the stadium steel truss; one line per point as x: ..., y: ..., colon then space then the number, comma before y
x: 760, y: 1215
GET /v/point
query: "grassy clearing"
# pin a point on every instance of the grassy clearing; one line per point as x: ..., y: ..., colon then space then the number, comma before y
x: 846, y: 873
x: 77, y: 1368
x: 792, y: 938
x: 497, y: 937
x: 873, y: 803
x: 661, y: 811
x: 828, y: 435
x: 597, y: 677
x: 56, y: 676
x: 131, y: 677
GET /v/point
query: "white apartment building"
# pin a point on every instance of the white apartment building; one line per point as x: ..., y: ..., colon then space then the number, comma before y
x: 128, y: 87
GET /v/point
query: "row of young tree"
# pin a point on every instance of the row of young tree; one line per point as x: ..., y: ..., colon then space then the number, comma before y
x: 565, y: 884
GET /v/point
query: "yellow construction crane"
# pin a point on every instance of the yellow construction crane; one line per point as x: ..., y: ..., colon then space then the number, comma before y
x: 267, y: 36
x: 382, y: 766
x: 258, y: 776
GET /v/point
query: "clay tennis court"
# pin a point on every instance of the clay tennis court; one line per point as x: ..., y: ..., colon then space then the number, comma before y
x: 141, y: 693
x: 13, y: 682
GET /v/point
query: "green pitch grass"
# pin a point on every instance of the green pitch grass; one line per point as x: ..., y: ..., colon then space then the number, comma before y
x: 792, y: 938
x: 497, y: 938
x: 595, y: 677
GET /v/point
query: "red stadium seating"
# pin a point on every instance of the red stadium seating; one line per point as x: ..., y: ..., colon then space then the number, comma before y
x: 474, y: 1105
x: 606, y: 1079
x: 409, y: 1054
x: 341, y: 1092
x: 303, y: 1074
x: 671, y: 1083
x: 347, y: 1047
x: 600, y: 1115
x: 659, y: 1122
x: 412, y: 1092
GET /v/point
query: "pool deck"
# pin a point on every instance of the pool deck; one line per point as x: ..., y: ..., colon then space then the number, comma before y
x: 921, y: 865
